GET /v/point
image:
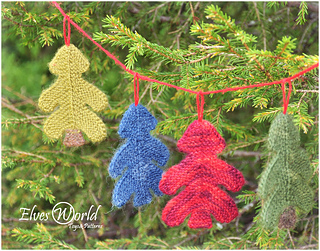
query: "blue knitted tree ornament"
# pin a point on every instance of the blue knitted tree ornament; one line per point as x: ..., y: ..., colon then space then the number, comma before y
x: 138, y: 160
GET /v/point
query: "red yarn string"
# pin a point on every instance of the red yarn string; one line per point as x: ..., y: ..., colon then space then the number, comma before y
x: 265, y: 84
x: 66, y: 39
x: 200, y: 104
x: 136, y: 88
x: 167, y: 84
x: 91, y: 39
x: 286, y: 99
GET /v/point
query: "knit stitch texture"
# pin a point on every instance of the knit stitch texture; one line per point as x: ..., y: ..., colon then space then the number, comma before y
x: 201, y: 172
x: 284, y: 184
x: 69, y: 96
x: 138, y: 159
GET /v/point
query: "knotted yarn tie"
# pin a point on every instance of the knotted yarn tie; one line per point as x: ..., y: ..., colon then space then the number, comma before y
x: 286, y: 99
x: 66, y: 38
x: 136, y: 88
x: 200, y: 104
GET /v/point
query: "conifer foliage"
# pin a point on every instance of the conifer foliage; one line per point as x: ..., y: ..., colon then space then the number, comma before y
x: 284, y: 184
x: 72, y: 94
x: 201, y: 172
x: 135, y: 160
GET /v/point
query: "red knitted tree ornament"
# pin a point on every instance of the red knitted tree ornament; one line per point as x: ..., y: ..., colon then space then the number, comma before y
x: 201, y: 172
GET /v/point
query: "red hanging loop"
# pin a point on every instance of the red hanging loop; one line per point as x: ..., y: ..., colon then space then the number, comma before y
x: 200, y: 104
x: 66, y: 39
x: 136, y: 88
x: 284, y: 98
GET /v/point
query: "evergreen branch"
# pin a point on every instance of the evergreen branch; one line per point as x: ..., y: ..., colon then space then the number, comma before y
x: 260, y: 65
x: 169, y: 139
x: 29, y: 161
x: 16, y: 23
x: 156, y: 8
x: 310, y: 246
x: 243, y: 145
x: 271, y: 4
x: 84, y: 232
x: 79, y: 177
x: 50, y: 172
x: 37, y: 188
x: 234, y: 245
x: 95, y: 161
x: 267, y: 115
x: 91, y: 160
x: 18, y: 94
x: 163, y: 54
x: 200, y: 59
x: 262, y: 26
x: 23, y: 121
x: 302, y: 13
x: 14, y: 109
x: 248, y: 196
x: 245, y: 154
x: 125, y: 37
x: 28, y: 221
x: 177, y: 39
x: 59, y: 163
x: 145, y: 242
x: 312, y: 7
x: 193, y: 236
x: 307, y: 91
x: 282, y: 47
x: 40, y: 235
x: 28, y: 154
x: 176, y: 124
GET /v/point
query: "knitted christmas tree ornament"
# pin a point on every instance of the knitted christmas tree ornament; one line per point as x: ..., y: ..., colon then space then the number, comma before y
x: 136, y: 159
x: 283, y: 185
x: 201, y: 172
x: 68, y: 98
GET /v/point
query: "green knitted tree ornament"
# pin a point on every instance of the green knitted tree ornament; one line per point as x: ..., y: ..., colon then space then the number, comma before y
x: 70, y: 97
x: 283, y: 186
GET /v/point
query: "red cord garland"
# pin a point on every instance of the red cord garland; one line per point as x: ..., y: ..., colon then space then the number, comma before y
x: 66, y: 39
x: 286, y: 99
x: 138, y: 76
x: 200, y: 104
x: 136, y: 88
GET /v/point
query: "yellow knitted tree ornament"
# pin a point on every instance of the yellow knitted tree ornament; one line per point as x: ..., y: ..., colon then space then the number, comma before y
x: 68, y: 98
